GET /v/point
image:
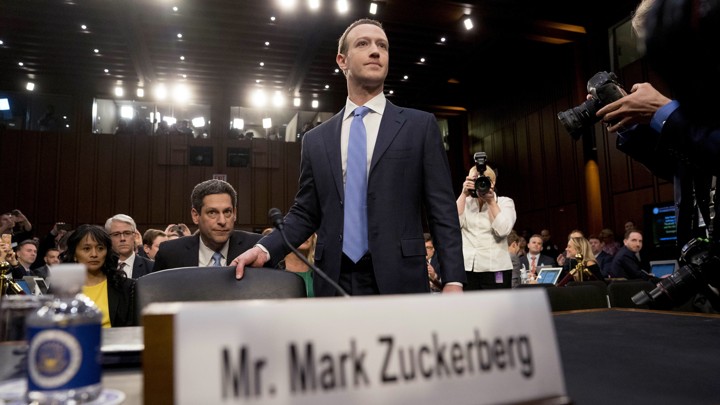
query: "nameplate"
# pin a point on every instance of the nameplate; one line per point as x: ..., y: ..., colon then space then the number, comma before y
x: 474, y: 348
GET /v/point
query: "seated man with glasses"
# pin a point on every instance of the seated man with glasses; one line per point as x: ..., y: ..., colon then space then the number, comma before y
x: 121, y: 229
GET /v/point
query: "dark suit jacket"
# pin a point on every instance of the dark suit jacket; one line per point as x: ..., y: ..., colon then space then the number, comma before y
x: 121, y: 303
x: 183, y: 252
x: 604, y: 260
x: 142, y: 266
x: 626, y: 264
x: 408, y: 172
x: 543, y: 260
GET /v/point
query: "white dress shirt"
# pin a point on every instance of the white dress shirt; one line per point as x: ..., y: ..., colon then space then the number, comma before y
x: 485, y: 243
x: 205, y: 254
x: 129, y: 263
x: 372, y: 126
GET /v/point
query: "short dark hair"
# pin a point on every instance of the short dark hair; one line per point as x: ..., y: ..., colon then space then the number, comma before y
x: 150, y: 235
x: 513, y: 237
x: 342, y: 42
x: 26, y: 242
x: 51, y: 250
x: 631, y: 230
x: 209, y: 187
x: 427, y: 237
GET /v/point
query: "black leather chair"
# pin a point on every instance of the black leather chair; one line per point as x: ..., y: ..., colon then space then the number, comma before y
x: 217, y: 284
x: 577, y: 297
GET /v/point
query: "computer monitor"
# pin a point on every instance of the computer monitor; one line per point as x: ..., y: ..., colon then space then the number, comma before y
x: 549, y: 275
x: 663, y: 268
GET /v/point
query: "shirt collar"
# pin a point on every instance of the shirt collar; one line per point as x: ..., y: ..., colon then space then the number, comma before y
x: 376, y: 104
x: 205, y: 253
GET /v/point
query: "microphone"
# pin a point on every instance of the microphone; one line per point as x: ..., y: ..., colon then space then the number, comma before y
x: 276, y: 217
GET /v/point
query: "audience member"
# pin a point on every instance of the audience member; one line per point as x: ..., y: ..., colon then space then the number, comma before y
x: 17, y: 224
x: 433, y: 264
x: 121, y: 229
x: 51, y: 241
x: 627, y: 262
x: 534, y: 259
x: 152, y: 238
x: 549, y: 247
x: 611, y: 246
x: 214, y: 209
x: 25, y: 253
x: 513, y: 240
x: 603, y: 259
x: 109, y: 288
x: 585, y: 270
x: 296, y: 265
x: 51, y: 258
x: 174, y: 231
x: 139, y: 245
x: 575, y: 233
x: 485, y: 223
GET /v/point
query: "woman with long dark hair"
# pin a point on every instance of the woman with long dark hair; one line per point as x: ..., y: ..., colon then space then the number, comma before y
x: 108, y: 287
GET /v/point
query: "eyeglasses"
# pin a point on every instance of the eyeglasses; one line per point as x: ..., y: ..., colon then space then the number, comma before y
x: 126, y: 234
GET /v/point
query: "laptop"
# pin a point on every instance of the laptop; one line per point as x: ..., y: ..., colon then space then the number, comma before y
x: 37, y: 285
x: 549, y: 275
x: 663, y: 268
x: 24, y: 285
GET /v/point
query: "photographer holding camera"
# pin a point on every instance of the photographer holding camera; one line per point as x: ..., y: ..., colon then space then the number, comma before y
x: 486, y: 220
x: 678, y: 139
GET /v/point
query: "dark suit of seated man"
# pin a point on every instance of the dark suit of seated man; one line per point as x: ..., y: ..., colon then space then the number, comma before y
x: 213, y: 211
x: 626, y: 264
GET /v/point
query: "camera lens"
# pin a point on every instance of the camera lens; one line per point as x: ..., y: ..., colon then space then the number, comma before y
x: 482, y: 185
x: 578, y: 118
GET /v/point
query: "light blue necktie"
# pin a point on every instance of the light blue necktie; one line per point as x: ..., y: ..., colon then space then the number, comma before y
x: 355, y: 231
x: 216, y: 257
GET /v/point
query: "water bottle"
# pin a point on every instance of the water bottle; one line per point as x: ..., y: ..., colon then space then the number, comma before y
x: 523, y: 275
x: 65, y: 337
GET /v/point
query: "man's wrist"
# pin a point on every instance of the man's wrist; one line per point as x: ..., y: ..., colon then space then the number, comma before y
x: 264, y: 249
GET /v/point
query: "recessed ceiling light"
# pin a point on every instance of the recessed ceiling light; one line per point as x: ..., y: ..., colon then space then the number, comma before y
x: 83, y: 26
x: 175, y: 8
x: 422, y: 60
x: 442, y: 39
x: 272, y: 18
x: 314, y: 4
x: 182, y: 58
x: 267, y: 43
x: 405, y: 77
x: 119, y: 91
x: 342, y: 6
x: 373, y: 8
x: 30, y: 86
x: 337, y: 70
x: 391, y: 91
x: 315, y: 104
x: 107, y: 70
x: 327, y: 86
x: 262, y: 64
x: 468, y: 23
x: 141, y: 92
x: 96, y: 50
x: 179, y: 35
x: 1, y: 42
x: 21, y: 64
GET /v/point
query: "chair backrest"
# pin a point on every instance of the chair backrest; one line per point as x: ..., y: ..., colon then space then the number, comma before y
x: 620, y: 292
x: 602, y: 285
x: 577, y: 297
x: 217, y: 284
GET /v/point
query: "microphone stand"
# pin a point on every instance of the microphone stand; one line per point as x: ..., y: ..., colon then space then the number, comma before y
x: 276, y: 217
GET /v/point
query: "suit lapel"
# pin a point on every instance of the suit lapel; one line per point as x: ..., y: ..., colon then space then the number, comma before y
x: 331, y: 138
x: 390, y: 125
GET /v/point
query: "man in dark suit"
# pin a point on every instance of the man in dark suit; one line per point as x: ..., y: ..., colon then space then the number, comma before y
x: 121, y: 229
x: 406, y: 170
x: 214, y: 211
x: 603, y: 259
x: 627, y: 263
x: 534, y: 259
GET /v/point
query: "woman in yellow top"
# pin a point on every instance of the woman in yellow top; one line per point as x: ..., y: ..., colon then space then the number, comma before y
x: 108, y: 287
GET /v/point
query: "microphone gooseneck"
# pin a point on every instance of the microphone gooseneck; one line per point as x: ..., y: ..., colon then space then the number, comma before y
x: 277, y: 220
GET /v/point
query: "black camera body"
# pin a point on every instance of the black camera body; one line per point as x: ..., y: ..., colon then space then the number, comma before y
x: 700, y: 265
x: 605, y: 89
x: 483, y: 182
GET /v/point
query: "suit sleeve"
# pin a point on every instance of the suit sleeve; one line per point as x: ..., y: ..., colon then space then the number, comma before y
x: 697, y: 146
x: 441, y: 205
x: 160, y: 260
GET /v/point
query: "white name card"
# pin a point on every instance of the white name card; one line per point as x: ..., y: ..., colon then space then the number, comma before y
x: 473, y: 348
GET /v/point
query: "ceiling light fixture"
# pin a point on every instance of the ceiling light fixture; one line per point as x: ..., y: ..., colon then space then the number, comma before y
x: 96, y: 50
x: 259, y: 98
x: 373, y: 8
x: 175, y: 8
x: 342, y: 6
x: 1, y: 42
x: 267, y: 43
x: 160, y: 92
x: 288, y: 4
x: 238, y: 123
x: 106, y: 70
x: 405, y: 77
x: 262, y: 64
x: 179, y: 35
x: 278, y: 99
x: 272, y: 18
x: 182, y: 57
x: 468, y: 23
x: 327, y: 86
x: 141, y: 92
x: 442, y: 39
x: 422, y: 60
x: 127, y: 112
x: 391, y: 92
x: 21, y: 64
x: 83, y: 26
x: 315, y: 104
x: 297, y: 102
x: 181, y: 93
x: 314, y: 4
x: 267, y: 123
x: 30, y: 86
x: 119, y: 92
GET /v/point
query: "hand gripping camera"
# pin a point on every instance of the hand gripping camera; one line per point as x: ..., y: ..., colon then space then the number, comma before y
x: 483, y: 182
x: 604, y: 89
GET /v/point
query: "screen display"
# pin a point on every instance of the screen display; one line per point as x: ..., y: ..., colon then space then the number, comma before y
x: 548, y: 276
x: 662, y: 225
x: 4, y: 104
